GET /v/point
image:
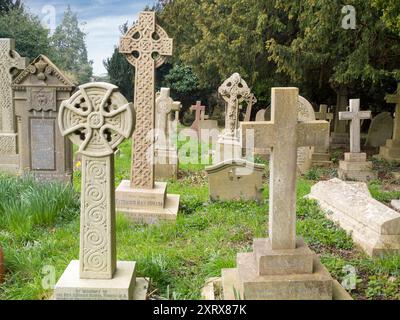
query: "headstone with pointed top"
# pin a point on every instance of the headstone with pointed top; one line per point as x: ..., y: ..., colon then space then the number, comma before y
x: 38, y: 92
x: 321, y: 156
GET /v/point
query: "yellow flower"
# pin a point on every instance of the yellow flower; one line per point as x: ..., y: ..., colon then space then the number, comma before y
x: 78, y: 164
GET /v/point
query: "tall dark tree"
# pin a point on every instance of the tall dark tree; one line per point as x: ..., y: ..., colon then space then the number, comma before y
x: 7, y: 5
x: 70, y: 48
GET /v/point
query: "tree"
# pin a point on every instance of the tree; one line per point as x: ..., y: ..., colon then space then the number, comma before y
x: 70, y: 48
x: 30, y: 36
x: 390, y: 13
x: 7, y: 5
x: 322, y: 54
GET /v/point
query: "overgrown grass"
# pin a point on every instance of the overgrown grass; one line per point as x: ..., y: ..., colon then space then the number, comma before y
x: 177, y: 257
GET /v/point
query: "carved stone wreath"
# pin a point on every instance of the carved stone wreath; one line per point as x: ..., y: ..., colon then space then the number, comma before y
x: 97, y: 118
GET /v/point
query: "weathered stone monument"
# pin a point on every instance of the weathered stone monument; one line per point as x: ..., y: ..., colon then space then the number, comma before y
x: 235, y: 179
x: 340, y: 135
x: 321, y: 156
x: 97, y: 119
x: 380, y: 131
x: 251, y: 101
x: 260, y: 116
x: 199, y: 116
x: 146, y: 46
x: 372, y: 225
x: 38, y: 93
x: 233, y: 91
x: 282, y: 267
x: 166, y: 153
x: 10, y: 63
x: 355, y: 166
x: 391, y: 151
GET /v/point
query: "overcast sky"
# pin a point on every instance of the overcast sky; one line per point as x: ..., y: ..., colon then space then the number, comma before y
x: 100, y: 19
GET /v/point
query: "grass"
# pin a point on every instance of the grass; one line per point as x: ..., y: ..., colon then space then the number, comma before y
x: 39, y: 228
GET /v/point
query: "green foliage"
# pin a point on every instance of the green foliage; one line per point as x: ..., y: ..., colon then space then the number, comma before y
x: 30, y: 36
x: 7, y: 5
x: 70, y: 48
x: 384, y: 196
x: 383, y: 288
x: 390, y: 13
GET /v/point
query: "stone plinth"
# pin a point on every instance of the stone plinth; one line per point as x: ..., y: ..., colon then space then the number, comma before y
x: 147, y: 205
x: 372, y: 225
x: 167, y: 166
x: 235, y: 180
x: 123, y: 286
x: 356, y: 167
x: 227, y: 148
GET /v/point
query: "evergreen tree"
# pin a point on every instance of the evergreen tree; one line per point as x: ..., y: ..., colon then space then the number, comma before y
x: 70, y: 48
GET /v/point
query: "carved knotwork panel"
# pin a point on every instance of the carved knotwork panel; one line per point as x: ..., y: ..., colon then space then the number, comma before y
x: 97, y: 118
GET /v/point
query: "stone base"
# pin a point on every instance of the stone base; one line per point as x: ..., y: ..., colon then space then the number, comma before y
x: 227, y: 148
x: 9, y: 163
x: 391, y: 151
x: 9, y: 159
x: 356, y: 167
x: 321, y: 159
x: 246, y: 282
x: 147, y: 205
x: 124, y: 285
x: 166, y: 166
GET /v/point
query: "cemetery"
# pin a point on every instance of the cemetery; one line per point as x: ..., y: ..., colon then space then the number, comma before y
x: 214, y: 161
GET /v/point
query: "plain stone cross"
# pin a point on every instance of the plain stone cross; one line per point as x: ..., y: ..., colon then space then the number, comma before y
x: 355, y: 116
x: 323, y: 113
x: 234, y: 91
x: 200, y: 111
x: 284, y: 134
x: 395, y: 99
x: 97, y: 118
x: 9, y: 60
x: 146, y: 46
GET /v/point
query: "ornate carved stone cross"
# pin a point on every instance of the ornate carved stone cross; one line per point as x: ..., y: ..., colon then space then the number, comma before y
x: 252, y: 100
x: 9, y: 59
x: 355, y: 116
x: 284, y: 134
x: 146, y: 46
x: 97, y: 119
x: 323, y: 113
x: 200, y: 111
x: 234, y: 91
x: 395, y: 99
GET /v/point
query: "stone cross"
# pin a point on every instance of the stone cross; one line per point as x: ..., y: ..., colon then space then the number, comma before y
x: 164, y: 104
x: 355, y: 116
x: 200, y: 111
x: 395, y: 99
x: 234, y: 91
x: 252, y: 100
x: 97, y: 118
x: 9, y: 59
x: 146, y: 46
x: 324, y: 114
x: 284, y: 134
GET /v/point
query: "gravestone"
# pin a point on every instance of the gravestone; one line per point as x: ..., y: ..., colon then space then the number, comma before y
x: 233, y: 91
x: 38, y: 93
x: 166, y: 153
x: 355, y: 166
x: 146, y: 46
x: 391, y: 151
x: 281, y: 267
x: 340, y: 135
x: 260, y: 116
x: 235, y: 179
x: 97, y: 118
x: 380, y: 131
x: 372, y: 225
x: 2, y: 268
x: 199, y: 116
x: 10, y: 63
x: 251, y: 101
x: 321, y: 156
